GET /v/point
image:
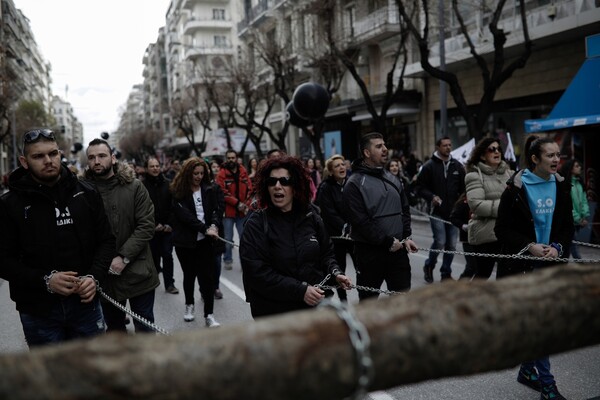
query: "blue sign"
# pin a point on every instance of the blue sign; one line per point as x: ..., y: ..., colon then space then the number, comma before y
x: 592, y: 46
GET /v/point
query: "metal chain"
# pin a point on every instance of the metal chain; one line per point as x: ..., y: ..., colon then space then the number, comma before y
x: 361, y: 342
x: 430, y: 216
x: 596, y: 246
x: 137, y: 317
x: 227, y: 241
x: 512, y: 256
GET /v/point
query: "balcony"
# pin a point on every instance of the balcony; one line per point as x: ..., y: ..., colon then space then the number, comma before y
x: 197, y: 24
x: 377, y: 26
x: 189, y: 4
x: 196, y: 52
x: 257, y: 14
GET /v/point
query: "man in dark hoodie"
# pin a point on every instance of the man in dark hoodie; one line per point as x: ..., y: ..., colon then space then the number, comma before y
x: 441, y: 181
x: 378, y: 211
x: 130, y: 211
x: 55, y: 245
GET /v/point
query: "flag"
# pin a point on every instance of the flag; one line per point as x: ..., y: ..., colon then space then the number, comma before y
x: 463, y: 153
x: 509, y: 154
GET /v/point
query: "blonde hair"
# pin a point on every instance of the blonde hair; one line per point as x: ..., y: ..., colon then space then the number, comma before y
x: 330, y: 160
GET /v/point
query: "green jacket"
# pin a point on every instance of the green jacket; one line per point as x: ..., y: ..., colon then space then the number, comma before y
x: 581, y: 209
x: 131, y: 215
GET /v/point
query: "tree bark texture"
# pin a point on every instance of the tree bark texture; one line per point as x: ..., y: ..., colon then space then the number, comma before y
x: 442, y: 330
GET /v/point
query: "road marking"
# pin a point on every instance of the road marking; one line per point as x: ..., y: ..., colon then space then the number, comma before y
x: 380, y: 396
x: 238, y: 291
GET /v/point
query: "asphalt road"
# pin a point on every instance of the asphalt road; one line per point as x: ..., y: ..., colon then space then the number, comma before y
x: 577, y: 372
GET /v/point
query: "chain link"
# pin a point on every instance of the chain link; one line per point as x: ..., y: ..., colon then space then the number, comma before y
x: 137, y: 317
x: 596, y: 246
x: 361, y: 342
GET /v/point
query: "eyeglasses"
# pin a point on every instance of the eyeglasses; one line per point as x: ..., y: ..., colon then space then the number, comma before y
x: 494, y: 149
x: 283, y: 181
x: 34, y: 135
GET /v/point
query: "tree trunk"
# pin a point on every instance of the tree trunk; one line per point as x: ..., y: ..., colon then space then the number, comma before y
x: 448, y: 329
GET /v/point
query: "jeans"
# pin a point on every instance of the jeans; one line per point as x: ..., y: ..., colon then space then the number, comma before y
x: 161, y: 246
x: 543, y: 368
x: 142, y: 305
x: 228, y: 228
x: 68, y: 319
x: 444, y: 237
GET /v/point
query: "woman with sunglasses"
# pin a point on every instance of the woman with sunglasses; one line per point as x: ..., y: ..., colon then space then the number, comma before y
x: 485, y: 181
x: 284, y: 249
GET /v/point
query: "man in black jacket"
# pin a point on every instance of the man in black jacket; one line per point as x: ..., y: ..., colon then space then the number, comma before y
x: 377, y: 208
x: 162, y: 242
x: 55, y: 245
x: 441, y: 181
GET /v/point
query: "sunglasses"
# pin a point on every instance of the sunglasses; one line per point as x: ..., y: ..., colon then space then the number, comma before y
x: 34, y: 135
x: 494, y: 149
x: 283, y: 181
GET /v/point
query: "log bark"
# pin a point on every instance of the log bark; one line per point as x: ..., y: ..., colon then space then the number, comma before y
x: 449, y: 329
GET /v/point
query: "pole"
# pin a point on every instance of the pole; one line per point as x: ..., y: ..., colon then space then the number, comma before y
x: 443, y: 85
x: 449, y: 329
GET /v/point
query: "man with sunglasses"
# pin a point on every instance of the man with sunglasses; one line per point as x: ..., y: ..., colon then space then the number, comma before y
x: 377, y: 208
x: 55, y: 245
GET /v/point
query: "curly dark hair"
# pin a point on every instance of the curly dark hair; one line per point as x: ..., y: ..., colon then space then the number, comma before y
x: 298, y: 174
x: 182, y: 182
x: 480, y: 149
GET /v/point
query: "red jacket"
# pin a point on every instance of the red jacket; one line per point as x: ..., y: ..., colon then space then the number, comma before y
x: 236, y: 188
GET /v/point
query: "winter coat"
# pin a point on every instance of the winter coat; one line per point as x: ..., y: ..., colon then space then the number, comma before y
x: 515, y: 227
x: 158, y: 190
x: 131, y: 215
x: 28, y: 237
x: 581, y: 208
x: 433, y: 181
x: 485, y: 186
x: 331, y: 202
x: 236, y: 188
x: 281, y: 254
x: 376, y: 206
x: 186, y: 224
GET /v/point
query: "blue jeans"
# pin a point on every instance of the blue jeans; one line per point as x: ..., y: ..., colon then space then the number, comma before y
x: 68, y: 319
x: 142, y: 305
x: 228, y: 228
x: 543, y: 368
x: 161, y: 246
x: 444, y: 237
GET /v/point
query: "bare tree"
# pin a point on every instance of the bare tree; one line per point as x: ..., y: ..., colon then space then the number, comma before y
x: 140, y: 145
x: 185, y: 114
x: 494, y: 72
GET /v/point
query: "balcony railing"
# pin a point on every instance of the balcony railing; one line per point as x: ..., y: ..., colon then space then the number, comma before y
x: 196, y: 24
x: 203, y: 50
x: 256, y: 12
x: 378, y: 25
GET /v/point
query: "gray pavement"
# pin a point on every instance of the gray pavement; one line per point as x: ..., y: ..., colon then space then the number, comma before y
x: 577, y: 372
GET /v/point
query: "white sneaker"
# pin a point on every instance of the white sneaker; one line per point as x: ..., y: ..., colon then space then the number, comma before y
x: 189, y: 313
x: 211, y: 322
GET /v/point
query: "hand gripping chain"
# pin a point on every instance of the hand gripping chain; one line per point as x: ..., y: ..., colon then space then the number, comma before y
x: 359, y: 337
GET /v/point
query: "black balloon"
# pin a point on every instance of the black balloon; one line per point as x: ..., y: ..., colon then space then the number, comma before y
x: 77, y: 146
x: 311, y: 101
x: 104, y: 135
x: 292, y: 116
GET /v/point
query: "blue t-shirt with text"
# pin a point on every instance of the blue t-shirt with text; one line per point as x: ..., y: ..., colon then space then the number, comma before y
x: 541, y: 196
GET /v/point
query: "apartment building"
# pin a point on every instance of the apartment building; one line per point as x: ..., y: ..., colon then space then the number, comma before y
x: 67, y: 122
x: 370, y: 31
x: 24, y: 75
x: 155, y: 88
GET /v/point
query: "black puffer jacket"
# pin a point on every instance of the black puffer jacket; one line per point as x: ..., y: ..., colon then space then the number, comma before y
x: 158, y: 189
x: 330, y: 200
x: 515, y: 227
x: 448, y: 185
x: 28, y: 237
x: 376, y: 206
x: 281, y: 254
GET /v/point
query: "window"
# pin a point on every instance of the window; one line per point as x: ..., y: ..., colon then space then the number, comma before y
x: 220, y: 41
x: 219, y: 14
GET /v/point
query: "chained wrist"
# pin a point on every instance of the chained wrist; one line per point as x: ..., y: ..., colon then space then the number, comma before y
x: 47, y: 280
x: 558, y: 247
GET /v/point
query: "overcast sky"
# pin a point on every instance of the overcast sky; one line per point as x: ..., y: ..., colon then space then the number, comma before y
x: 96, y: 48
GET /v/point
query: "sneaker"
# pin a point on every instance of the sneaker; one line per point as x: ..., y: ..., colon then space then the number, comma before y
x: 189, y: 313
x: 211, y: 322
x: 218, y: 294
x: 447, y: 278
x: 551, y: 392
x: 172, y: 289
x: 529, y: 378
x: 228, y: 265
x: 428, y: 272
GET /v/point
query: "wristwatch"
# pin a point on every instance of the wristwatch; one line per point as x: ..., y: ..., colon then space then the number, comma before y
x: 125, y: 259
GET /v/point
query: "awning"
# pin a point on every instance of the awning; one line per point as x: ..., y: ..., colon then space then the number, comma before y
x: 579, y: 105
x: 407, y: 109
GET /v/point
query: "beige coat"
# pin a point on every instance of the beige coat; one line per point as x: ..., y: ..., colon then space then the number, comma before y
x: 484, y: 187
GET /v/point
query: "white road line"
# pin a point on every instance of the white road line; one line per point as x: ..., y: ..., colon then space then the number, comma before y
x: 239, y: 292
x: 380, y: 396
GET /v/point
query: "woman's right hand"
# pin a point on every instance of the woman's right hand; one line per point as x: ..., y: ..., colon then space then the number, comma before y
x: 313, y: 295
x: 539, y: 250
